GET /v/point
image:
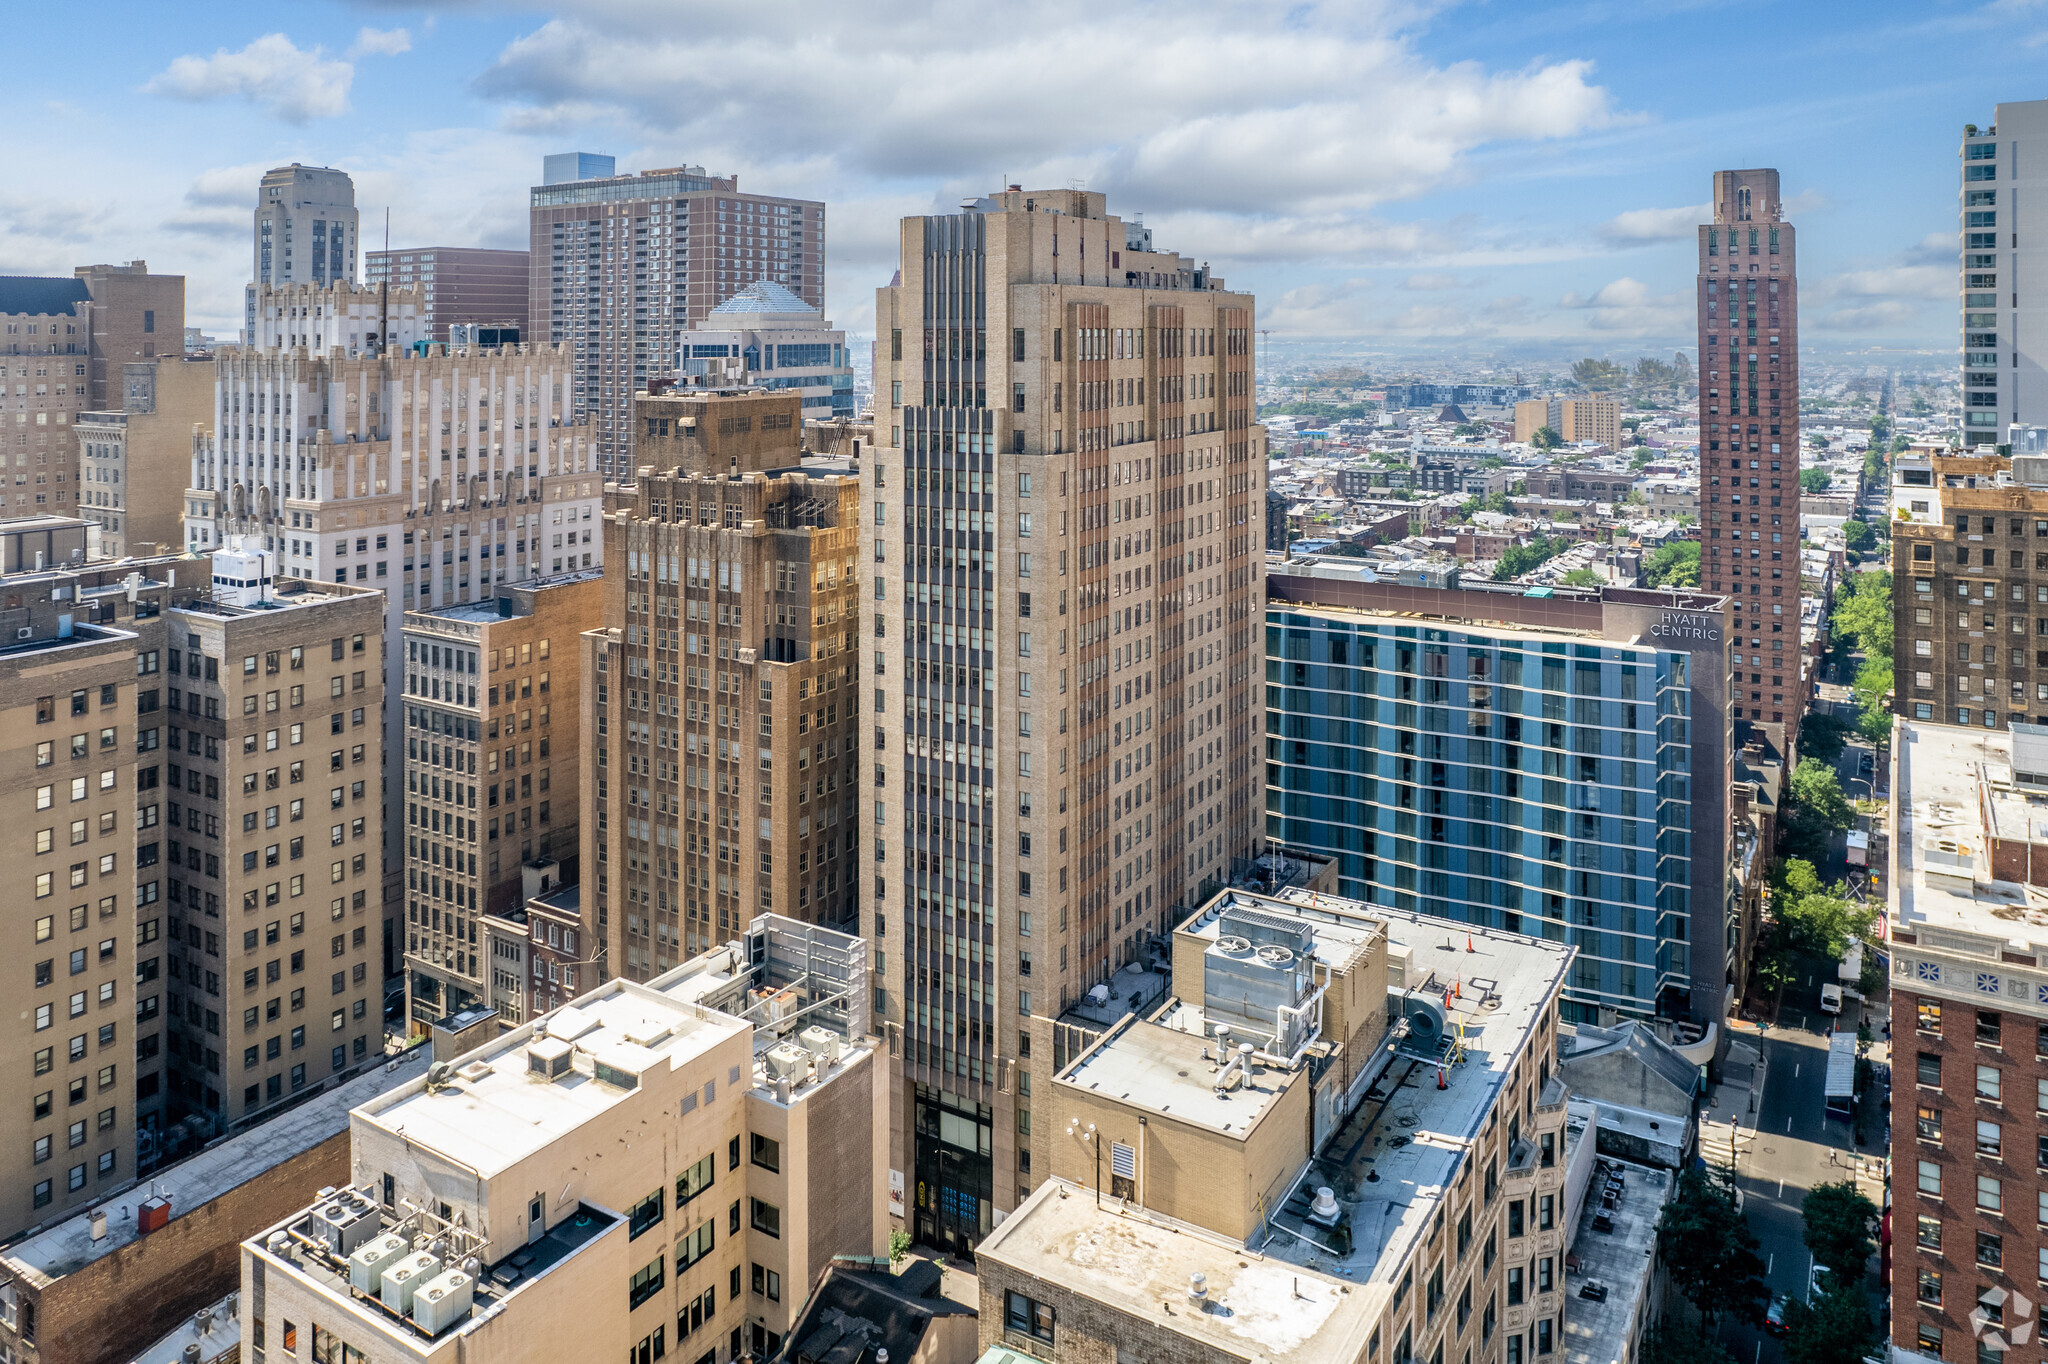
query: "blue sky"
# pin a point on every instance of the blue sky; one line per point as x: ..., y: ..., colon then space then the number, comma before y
x: 1390, y: 171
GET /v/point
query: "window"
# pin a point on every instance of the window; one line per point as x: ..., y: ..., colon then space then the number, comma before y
x: 1988, y: 1142
x: 1026, y: 1316
x: 1515, y: 1286
x: 1930, y: 1179
x: 644, y: 1214
x: 1930, y: 1015
x: 1989, y: 1196
x: 647, y: 1281
x: 1927, y: 1123
x: 1987, y: 1027
x: 767, y: 1152
x: 767, y: 1283
x: 1990, y: 1249
x: 1546, y: 1212
x: 1927, y: 1070
x: 1928, y: 1234
x: 767, y: 1218
x: 1987, y: 1083
x: 1930, y: 1287
x: 695, y: 1180
x: 1515, y: 1218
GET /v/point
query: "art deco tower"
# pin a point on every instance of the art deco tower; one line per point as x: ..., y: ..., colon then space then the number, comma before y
x: 1066, y: 509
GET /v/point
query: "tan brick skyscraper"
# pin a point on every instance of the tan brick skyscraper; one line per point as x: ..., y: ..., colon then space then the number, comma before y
x: 1066, y: 508
x: 1748, y: 299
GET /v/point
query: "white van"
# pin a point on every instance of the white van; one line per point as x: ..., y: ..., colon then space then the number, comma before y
x: 1831, y: 999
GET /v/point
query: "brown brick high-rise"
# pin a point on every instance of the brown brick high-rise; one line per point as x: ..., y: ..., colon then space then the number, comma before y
x: 1748, y: 301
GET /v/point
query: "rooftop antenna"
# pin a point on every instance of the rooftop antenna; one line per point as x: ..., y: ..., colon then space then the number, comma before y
x: 384, y: 288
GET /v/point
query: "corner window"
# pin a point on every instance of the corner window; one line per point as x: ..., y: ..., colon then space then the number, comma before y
x: 1027, y: 1316
x: 767, y: 1152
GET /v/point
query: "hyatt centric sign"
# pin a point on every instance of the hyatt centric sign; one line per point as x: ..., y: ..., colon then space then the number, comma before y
x: 1687, y: 625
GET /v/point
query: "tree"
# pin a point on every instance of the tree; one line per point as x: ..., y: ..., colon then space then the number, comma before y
x: 899, y: 1246
x: 1681, y: 368
x: 1873, y: 683
x: 1670, y: 1345
x: 1863, y: 615
x: 1835, y: 1328
x: 1598, y: 375
x: 1857, y: 534
x: 1820, y: 738
x: 1838, y: 1220
x: 1814, y: 480
x: 1813, y: 809
x: 1520, y: 559
x: 1651, y: 372
x: 1817, y: 920
x: 1583, y: 577
x: 1640, y: 456
x: 1704, y: 1239
x: 1674, y: 565
x: 1546, y: 439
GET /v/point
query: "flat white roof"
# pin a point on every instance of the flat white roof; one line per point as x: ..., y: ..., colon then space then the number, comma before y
x: 503, y: 1115
x: 1140, y: 1263
x: 1391, y: 1188
x: 1942, y: 874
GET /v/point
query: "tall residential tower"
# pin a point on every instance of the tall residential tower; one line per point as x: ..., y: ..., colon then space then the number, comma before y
x: 2002, y: 379
x: 621, y: 264
x: 1748, y: 299
x: 1067, y: 519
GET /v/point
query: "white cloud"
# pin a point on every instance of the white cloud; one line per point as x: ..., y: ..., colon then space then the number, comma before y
x: 272, y: 72
x: 1883, y: 315
x: 381, y: 42
x: 1626, y: 307
x: 1311, y: 111
x: 1894, y: 281
x: 1640, y: 226
x: 1430, y: 281
x: 1322, y: 309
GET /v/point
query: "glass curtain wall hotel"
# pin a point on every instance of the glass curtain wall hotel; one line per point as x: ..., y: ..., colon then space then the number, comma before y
x: 1538, y: 766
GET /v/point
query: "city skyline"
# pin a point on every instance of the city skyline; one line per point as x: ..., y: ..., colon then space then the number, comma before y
x: 1521, y: 177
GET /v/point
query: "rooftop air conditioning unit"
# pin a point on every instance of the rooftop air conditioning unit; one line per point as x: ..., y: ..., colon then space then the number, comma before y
x: 822, y: 1043
x: 786, y: 1061
x: 345, y: 1221
x: 366, y: 1267
x: 443, y: 1300
x: 403, y: 1279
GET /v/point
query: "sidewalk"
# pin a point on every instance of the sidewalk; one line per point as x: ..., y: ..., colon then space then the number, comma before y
x: 1728, y: 1119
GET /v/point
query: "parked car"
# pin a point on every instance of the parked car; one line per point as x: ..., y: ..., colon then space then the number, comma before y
x: 1831, y: 999
x: 1774, y: 1316
x: 1868, y: 764
x: 1817, y: 1282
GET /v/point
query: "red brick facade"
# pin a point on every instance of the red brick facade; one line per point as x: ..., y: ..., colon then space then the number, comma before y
x: 1748, y: 308
x: 1967, y: 1100
x: 113, y: 1307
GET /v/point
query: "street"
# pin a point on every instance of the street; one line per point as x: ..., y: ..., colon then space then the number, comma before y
x: 1785, y: 1146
